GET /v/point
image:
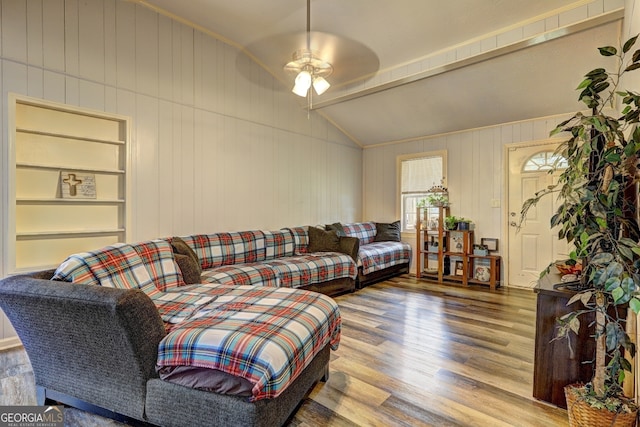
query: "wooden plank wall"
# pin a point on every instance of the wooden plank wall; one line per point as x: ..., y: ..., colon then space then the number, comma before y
x: 476, y: 173
x: 211, y: 149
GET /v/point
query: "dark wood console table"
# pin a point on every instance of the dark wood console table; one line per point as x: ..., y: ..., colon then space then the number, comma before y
x: 554, y: 364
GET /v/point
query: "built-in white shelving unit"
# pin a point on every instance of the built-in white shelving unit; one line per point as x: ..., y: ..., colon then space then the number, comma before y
x: 47, y: 221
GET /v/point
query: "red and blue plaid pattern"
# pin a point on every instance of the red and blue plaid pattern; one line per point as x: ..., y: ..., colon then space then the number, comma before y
x: 379, y: 255
x: 308, y: 269
x: 242, y: 274
x: 218, y: 249
x: 157, y: 256
x: 75, y: 269
x: 365, y: 231
x: 301, y: 238
x: 279, y: 244
x: 265, y: 335
x: 176, y: 307
x: 115, y: 266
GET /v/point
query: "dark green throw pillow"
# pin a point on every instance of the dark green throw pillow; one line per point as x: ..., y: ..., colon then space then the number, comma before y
x: 337, y: 227
x: 387, y: 232
x: 323, y: 241
x: 190, y: 270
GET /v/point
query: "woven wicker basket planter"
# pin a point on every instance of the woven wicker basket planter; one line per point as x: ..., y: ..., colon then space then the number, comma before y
x: 583, y: 415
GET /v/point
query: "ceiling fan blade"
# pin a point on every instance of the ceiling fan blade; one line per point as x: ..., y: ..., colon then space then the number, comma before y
x: 351, y: 60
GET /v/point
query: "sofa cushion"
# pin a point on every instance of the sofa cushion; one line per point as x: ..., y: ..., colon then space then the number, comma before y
x: 228, y: 248
x: 279, y: 244
x: 365, y: 231
x: 301, y: 238
x: 177, y: 306
x: 308, y: 269
x: 337, y: 227
x: 379, y: 255
x: 242, y: 274
x: 115, y: 266
x: 265, y: 335
x: 157, y: 256
x: 323, y: 241
x: 75, y: 269
x: 387, y: 232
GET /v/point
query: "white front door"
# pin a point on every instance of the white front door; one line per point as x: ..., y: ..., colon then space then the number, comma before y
x: 534, y: 245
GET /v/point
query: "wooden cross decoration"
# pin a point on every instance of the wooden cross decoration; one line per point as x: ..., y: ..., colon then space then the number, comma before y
x: 73, y: 184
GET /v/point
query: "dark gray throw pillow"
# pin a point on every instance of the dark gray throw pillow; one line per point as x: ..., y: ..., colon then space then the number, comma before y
x: 179, y: 246
x: 323, y: 241
x: 387, y: 232
x: 190, y: 269
x: 337, y: 227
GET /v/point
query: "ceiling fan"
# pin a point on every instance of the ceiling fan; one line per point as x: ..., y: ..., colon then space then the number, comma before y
x: 321, y: 60
x: 310, y: 69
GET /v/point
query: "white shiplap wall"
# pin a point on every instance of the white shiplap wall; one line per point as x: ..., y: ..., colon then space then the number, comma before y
x: 210, y: 150
x: 476, y: 173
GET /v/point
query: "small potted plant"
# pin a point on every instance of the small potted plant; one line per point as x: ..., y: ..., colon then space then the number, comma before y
x: 481, y: 250
x: 464, y: 224
x: 451, y: 222
x: 598, y: 215
x: 437, y: 199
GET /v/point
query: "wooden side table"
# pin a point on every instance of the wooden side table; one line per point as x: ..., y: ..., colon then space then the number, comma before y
x: 555, y: 365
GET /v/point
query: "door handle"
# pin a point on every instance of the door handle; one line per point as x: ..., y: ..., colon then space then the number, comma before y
x: 513, y: 224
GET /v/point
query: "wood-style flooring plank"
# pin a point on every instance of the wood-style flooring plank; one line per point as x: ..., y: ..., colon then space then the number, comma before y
x: 415, y: 353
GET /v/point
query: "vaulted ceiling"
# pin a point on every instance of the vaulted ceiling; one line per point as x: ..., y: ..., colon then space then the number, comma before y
x: 408, y: 69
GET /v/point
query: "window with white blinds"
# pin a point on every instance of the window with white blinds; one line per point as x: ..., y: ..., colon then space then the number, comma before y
x: 418, y: 173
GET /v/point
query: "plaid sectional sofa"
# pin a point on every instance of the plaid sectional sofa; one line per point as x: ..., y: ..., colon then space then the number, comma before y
x: 282, y: 258
x: 262, y: 258
x: 106, y: 342
x: 246, y: 326
x: 377, y: 260
x: 274, y: 258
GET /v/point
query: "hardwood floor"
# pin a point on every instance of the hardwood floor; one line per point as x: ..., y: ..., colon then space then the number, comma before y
x: 417, y: 354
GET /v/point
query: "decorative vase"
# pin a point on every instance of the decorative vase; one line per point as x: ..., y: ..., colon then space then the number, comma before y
x: 582, y: 414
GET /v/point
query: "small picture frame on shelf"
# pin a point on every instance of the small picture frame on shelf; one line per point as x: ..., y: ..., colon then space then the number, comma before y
x: 77, y: 185
x: 490, y: 243
x: 459, y: 271
x: 482, y: 273
x: 457, y: 242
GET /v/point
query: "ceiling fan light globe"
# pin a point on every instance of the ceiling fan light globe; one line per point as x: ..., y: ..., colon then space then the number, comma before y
x: 320, y: 85
x: 300, y: 91
x: 302, y: 83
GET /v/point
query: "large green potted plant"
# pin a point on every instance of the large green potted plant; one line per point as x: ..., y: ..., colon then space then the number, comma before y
x: 597, y: 214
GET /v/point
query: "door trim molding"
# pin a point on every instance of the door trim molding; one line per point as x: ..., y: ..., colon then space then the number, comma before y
x: 505, y: 205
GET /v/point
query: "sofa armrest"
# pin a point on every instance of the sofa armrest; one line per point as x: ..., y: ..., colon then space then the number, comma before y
x: 350, y: 246
x: 93, y: 343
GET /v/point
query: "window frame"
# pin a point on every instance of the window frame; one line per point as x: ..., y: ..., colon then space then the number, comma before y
x: 547, y: 166
x: 400, y: 199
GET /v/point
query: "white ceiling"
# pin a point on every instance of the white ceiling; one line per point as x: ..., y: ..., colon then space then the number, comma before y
x: 533, y: 78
